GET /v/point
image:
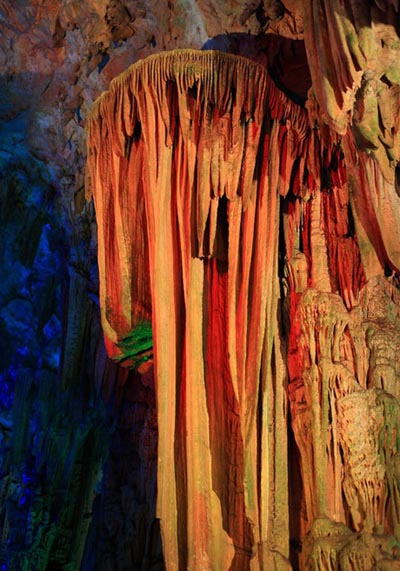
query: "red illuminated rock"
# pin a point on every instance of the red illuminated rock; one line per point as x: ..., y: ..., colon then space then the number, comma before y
x: 202, y: 173
x: 187, y: 202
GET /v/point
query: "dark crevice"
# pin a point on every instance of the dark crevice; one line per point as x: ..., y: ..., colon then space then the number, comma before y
x: 284, y: 58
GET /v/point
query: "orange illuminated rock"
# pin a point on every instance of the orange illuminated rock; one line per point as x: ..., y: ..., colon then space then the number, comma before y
x: 253, y: 240
x: 186, y: 176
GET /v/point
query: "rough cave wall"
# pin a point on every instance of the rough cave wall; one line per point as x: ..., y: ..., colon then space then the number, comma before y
x: 78, y: 433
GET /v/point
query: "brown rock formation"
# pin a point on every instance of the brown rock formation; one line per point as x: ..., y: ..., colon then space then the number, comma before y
x: 181, y: 173
x: 196, y: 160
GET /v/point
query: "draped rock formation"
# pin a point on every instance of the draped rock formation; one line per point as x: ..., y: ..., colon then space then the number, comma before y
x: 255, y: 240
x: 187, y: 202
x: 344, y: 335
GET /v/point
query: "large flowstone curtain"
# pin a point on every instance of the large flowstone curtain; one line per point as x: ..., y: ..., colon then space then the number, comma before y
x: 189, y: 154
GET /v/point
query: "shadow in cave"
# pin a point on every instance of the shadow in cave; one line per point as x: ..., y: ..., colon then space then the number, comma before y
x: 284, y: 58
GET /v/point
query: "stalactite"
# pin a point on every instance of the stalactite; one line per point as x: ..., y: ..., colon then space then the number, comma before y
x: 358, y: 98
x: 195, y: 162
x: 188, y: 218
x: 342, y: 236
